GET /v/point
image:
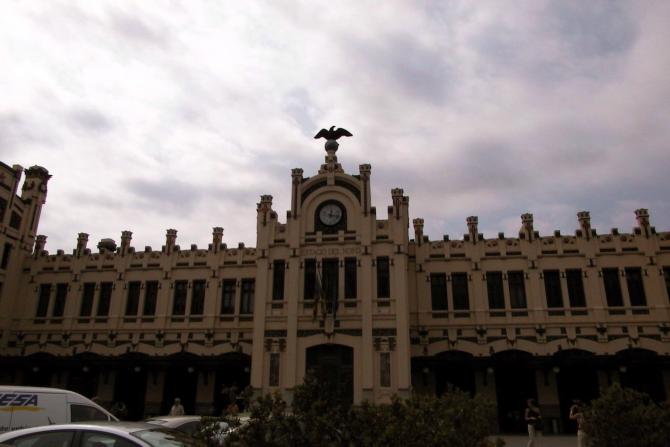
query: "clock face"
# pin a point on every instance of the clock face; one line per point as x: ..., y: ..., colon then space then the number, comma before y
x: 330, y: 214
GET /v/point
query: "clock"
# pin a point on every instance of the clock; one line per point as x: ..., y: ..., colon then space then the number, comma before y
x: 330, y: 214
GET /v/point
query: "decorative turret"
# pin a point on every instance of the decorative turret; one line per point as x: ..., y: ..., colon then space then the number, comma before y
x: 473, y: 230
x: 527, y: 231
x: 584, y: 218
x: 296, y: 176
x: 418, y: 230
x: 34, y: 193
x: 642, y: 217
x: 170, y: 240
x: 217, y: 238
x: 397, y: 194
x: 82, y: 241
x: 365, y: 171
x: 263, y: 208
x: 126, y: 237
x: 40, y: 242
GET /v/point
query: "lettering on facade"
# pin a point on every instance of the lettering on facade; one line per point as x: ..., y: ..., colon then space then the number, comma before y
x: 332, y: 251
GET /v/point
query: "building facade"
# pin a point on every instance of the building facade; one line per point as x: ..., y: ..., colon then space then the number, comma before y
x: 333, y: 287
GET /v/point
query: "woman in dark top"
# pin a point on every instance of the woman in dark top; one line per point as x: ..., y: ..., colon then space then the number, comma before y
x: 534, y: 419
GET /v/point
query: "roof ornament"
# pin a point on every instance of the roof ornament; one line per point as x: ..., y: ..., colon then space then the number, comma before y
x: 331, y: 135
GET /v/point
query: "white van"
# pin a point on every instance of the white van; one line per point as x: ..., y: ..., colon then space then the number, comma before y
x: 23, y: 407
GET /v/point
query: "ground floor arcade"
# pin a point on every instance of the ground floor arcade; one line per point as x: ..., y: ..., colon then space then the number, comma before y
x: 147, y: 385
x: 513, y: 376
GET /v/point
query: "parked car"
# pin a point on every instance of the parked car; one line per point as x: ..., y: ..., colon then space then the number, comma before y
x: 99, y: 434
x: 193, y: 425
x: 24, y: 407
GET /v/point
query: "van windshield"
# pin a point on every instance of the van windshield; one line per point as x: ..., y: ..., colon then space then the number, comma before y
x: 165, y: 437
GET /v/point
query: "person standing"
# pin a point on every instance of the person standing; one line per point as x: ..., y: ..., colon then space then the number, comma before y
x: 534, y: 420
x: 177, y: 409
x: 577, y: 415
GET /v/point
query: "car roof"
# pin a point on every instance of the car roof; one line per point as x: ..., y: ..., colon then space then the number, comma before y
x: 106, y: 426
x: 174, y: 418
x: 35, y: 389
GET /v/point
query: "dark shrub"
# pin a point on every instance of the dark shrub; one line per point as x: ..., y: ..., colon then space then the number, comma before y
x: 623, y: 417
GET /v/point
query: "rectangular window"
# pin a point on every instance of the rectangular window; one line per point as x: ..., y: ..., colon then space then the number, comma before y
x: 5, y: 255
x: 383, y: 278
x: 43, y: 300
x: 350, y: 278
x: 15, y: 220
x: 459, y: 291
x: 87, y: 299
x: 575, y: 288
x: 310, y: 279
x: 612, y: 287
x: 635, y: 286
x: 198, y: 297
x: 247, y: 296
x: 133, y: 298
x: 179, y: 301
x: 105, y: 299
x: 330, y: 277
x: 552, y: 288
x: 274, y: 369
x: 494, y: 289
x: 150, y: 298
x: 517, y: 290
x: 666, y: 275
x: 438, y: 291
x: 59, y: 303
x: 279, y: 271
x: 228, y: 297
x: 385, y: 369
x: 3, y: 208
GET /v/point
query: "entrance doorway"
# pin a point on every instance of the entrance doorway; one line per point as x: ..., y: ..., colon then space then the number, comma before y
x: 515, y: 384
x: 454, y: 371
x: 232, y: 377
x: 181, y: 382
x: 577, y: 378
x: 333, y: 367
x: 642, y: 370
x: 130, y: 387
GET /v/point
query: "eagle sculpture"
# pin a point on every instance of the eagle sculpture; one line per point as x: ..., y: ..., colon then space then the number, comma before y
x: 332, y: 134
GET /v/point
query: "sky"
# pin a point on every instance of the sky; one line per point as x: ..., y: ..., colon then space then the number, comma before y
x: 179, y: 114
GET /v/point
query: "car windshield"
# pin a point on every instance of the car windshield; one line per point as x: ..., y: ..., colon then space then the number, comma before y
x: 162, y: 437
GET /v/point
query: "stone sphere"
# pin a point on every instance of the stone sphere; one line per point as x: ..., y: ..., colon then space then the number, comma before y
x: 332, y: 145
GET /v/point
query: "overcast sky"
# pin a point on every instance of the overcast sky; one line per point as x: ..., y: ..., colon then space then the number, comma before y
x: 180, y: 114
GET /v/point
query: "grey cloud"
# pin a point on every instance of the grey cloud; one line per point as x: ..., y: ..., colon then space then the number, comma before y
x: 166, y: 196
x: 408, y: 66
x: 90, y: 120
x: 299, y: 106
x: 17, y: 130
x: 128, y: 25
x: 594, y: 28
x: 562, y: 40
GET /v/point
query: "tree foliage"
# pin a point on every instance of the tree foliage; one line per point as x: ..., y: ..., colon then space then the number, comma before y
x: 321, y: 417
x: 623, y: 417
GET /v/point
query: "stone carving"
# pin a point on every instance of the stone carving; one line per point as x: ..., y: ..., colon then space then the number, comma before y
x: 332, y: 134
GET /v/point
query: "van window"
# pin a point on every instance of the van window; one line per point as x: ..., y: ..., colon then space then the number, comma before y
x: 82, y: 413
x: 46, y: 439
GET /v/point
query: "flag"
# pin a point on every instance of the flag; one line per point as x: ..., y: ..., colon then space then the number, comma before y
x: 318, y: 294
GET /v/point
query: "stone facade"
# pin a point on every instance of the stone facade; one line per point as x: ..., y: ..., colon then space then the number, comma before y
x: 334, y: 287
